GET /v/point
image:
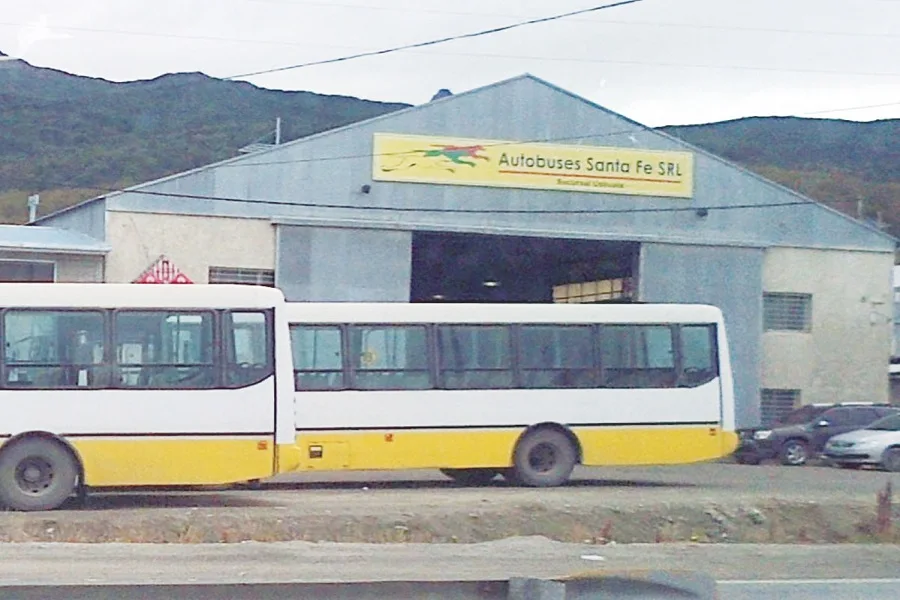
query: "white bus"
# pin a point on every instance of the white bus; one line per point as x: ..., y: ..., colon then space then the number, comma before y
x: 106, y: 385
x: 122, y: 385
x: 526, y: 391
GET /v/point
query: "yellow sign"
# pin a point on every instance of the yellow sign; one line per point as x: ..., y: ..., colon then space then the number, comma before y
x: 453, y: 161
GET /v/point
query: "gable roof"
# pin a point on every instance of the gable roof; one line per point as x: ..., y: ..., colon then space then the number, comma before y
x: 451, y: 98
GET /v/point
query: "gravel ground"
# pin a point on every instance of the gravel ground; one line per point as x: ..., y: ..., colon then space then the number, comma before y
x: 716, y: 502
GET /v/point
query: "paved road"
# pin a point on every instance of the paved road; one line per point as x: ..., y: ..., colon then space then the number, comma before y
x: 128, y: 564
x: 790, y: 590
x: 660, y: 481
x: 612, y: 486
x: 815, y: 589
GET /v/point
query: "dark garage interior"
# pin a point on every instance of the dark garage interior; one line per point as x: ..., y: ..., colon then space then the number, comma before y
x: 454, y: 267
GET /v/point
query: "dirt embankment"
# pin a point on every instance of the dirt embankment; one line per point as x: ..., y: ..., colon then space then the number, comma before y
x: 707, y: 503
x: 773, y: 521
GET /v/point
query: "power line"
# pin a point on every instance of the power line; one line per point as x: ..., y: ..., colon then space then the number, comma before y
x: 477, y: 55
x: 379, y: 52
x: 670, y: 65
x: 592, y: 21
x: 435, y: 42
x: 833, y: 110
x: 485, y: 211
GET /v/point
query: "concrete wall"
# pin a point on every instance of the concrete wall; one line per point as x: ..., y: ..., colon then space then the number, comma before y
x: 70, y: 268
x: 845, y: 355
x: 730, y: 278
x: 322, y: 264
x: 192, y: 243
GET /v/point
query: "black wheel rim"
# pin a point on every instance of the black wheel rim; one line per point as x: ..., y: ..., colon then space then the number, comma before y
x: 543, y: 457
x: 34, y: 475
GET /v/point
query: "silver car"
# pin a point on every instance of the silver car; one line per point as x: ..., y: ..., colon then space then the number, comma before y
x: 877, y: 444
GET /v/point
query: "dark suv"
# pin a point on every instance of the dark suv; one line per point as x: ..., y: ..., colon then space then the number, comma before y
x: 802, y: 434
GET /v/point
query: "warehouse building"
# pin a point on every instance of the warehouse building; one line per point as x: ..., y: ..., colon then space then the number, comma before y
x: 523, y: 192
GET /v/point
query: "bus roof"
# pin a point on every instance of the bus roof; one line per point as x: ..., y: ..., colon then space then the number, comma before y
x: 114, y: 295
x: 397, y: 312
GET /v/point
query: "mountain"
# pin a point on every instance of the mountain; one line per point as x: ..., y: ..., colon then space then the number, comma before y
x: 871, y: 149
x: 848, y: 165
x: 66, y: 136
x: 61, y: 134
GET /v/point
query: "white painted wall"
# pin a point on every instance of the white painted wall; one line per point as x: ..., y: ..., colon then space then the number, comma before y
x: 192, y: 243
x: 846, y: 354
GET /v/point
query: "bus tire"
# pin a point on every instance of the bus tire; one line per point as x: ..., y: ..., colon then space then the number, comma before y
x: 470, y: 476
x: 545, y: 457
x: 36, y: 474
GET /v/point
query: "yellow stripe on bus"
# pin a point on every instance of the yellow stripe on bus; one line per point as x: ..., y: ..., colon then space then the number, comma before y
x: 653, y: 445
x: 173, y: 461
x: 472, y: 448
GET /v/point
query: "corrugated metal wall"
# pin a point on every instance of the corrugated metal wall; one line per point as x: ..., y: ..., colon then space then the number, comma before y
x: 730, y: 278
x: 89, y: 219
x: 343, y: 265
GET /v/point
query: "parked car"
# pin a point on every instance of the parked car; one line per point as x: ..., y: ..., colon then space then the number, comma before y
x: 802, y: 434
x: 877, y: 444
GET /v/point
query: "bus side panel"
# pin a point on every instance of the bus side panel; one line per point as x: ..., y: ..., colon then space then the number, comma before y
x: 649, y: 445
x: 467, y: 448
x: 407, y: 449
x: 156, y: 437
x: 126, y: 461
x: 479, y: 428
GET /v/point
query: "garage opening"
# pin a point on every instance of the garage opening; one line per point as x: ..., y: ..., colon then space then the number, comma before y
x: 454, y: 267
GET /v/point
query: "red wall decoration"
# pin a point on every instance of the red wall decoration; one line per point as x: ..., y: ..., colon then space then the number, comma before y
x: 163, y: 271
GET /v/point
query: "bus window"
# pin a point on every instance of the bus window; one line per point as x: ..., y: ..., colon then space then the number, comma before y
x: 698, y: 354
x: 475, y: 356
x: 249, y: 348
x: 162, y: 349
x: 53, y: 349
x: 318, y: 357
x: 557, y: 356
x: 390, y: 357
x: 637, y: 356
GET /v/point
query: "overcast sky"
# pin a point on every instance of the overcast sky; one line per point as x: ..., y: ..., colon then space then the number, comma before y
x: 657, y: 61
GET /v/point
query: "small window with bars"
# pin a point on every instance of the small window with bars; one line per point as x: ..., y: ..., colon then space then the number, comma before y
x: 264, y: 277
x: 787, y: 311
x: 777, y: 404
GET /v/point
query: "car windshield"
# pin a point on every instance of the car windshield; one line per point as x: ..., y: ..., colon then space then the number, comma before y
x: 800, y: 416
x: 890, y: 423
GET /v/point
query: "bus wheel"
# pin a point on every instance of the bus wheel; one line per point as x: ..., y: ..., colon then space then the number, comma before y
x: 470, y: 476
x: 544, y: 458
x: 36, y: 474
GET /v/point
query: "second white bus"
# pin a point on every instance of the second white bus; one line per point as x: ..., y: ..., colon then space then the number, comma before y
x: 523, y: 391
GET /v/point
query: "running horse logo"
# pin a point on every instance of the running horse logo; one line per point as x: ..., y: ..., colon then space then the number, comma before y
x: 437, y: 157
